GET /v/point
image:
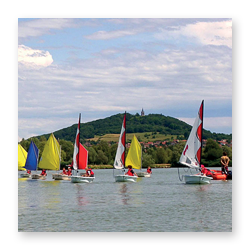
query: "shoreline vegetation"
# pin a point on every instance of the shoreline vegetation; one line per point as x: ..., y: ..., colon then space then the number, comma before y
x: 111, y: 167
x: 153, y: 166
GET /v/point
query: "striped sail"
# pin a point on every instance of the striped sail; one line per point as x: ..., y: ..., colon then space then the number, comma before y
x: 191, y: 155
x: 22, y: 156
x: 76, y: 147
x: 50, y: 159
x: 119, y: 162
x: 134, y: 154
x: 32, y: 158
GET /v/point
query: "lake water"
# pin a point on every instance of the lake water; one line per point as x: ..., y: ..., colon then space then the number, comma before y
x: 157, y: 204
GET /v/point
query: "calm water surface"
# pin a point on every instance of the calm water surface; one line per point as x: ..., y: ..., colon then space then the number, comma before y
x: 157, y: 204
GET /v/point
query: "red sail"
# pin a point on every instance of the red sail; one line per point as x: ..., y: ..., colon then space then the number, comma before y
x: 201, y: 111
x: 83, y: 157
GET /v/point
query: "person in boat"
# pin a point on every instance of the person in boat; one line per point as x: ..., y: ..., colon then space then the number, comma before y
x: 69, y: 172
x: 224, y: 160
x: 43, y: 173
x: 64, y: 172
x: 131, y: 171
x: 149, y: 171
x: 89, y: 172
x: 205, y: 171
x: 28, y: 172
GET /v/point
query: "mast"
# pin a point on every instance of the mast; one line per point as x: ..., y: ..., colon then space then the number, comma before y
x: 141, y: 158
x: 124, y: 140
x: 78, y: 142
x: 201, y: 116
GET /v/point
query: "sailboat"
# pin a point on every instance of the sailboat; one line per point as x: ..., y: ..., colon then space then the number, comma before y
x: 32, y: 159
x: 80, y: 159
x: 191, y: 155
x: 22, y: 156
x: 59, y: 177
x: 51, y: 157
x: 134, y: 157
x: 119, y: 162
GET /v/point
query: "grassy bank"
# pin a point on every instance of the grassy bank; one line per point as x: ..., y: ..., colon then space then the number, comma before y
x: 110, y: 166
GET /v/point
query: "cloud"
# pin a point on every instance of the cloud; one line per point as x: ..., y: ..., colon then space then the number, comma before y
x: 122, y: 83
x: 203, y: 31
x: 32, y: 57
x: 118, y: 77
x: 206, y: 33
x: 105, y: 35
x: 41, y: 26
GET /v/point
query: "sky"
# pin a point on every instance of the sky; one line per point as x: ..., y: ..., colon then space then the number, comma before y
x: 103, y: 66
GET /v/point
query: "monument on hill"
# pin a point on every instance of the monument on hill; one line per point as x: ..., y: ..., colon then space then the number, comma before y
x: 142, y: 112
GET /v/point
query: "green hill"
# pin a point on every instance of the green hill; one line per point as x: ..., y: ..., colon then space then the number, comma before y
x: 153, y: 123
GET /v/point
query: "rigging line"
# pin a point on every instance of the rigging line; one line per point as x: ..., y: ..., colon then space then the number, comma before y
x: 179, y: 175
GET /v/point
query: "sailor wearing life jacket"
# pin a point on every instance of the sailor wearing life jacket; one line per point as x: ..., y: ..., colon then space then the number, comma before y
x: 149, y: 171
x: 89, y: 172
x: 43, y: 172
x: 64, y: 171
x: 69, y: 172
x: 131, y: 171
x: 205, y: 171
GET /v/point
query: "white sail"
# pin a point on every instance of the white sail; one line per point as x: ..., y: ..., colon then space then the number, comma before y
x: 119, y: 162
x: 76, y: 146
x: 191, y: 155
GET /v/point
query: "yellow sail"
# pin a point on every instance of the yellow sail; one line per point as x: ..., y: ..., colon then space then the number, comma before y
x: 22, y: 156
x: 134, y: 154
x: 50, y: 159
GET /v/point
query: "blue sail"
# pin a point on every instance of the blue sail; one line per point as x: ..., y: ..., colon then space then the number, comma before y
x: 32, y: 157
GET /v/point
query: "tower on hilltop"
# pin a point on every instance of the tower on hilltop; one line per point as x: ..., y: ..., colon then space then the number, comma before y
x: 142, y: 112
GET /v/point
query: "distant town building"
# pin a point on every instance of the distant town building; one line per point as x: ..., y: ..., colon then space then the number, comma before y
x: 142, y: 112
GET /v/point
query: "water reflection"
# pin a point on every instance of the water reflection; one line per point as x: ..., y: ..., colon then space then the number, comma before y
x: 131, y: 193
x: 51, y: 194
x: 80, y: 197
x: 124, y: 194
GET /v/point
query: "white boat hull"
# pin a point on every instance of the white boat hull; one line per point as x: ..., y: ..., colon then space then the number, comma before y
x: 143, y: 174
x: 82, y: 179
x: 37, y: 177
x: 25, y: 175
x: 125, y: 178
x: 59, y: 177
x: 197, y: 179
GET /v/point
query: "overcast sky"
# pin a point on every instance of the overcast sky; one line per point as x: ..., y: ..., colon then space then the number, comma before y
x: 101, y: 67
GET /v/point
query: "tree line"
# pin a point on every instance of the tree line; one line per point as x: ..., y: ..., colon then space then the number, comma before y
x: 103, y: 153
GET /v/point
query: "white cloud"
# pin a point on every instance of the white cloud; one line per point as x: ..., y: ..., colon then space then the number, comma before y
x: 32, y: 57
x: 122, y: 82
x: 124, y: 78
x: 207, y: 33
x: 41, y: 26
x: 105, y: 35
x: 213, y: 32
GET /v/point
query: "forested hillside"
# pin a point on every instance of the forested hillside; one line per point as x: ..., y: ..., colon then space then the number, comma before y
x: 135, y: 124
